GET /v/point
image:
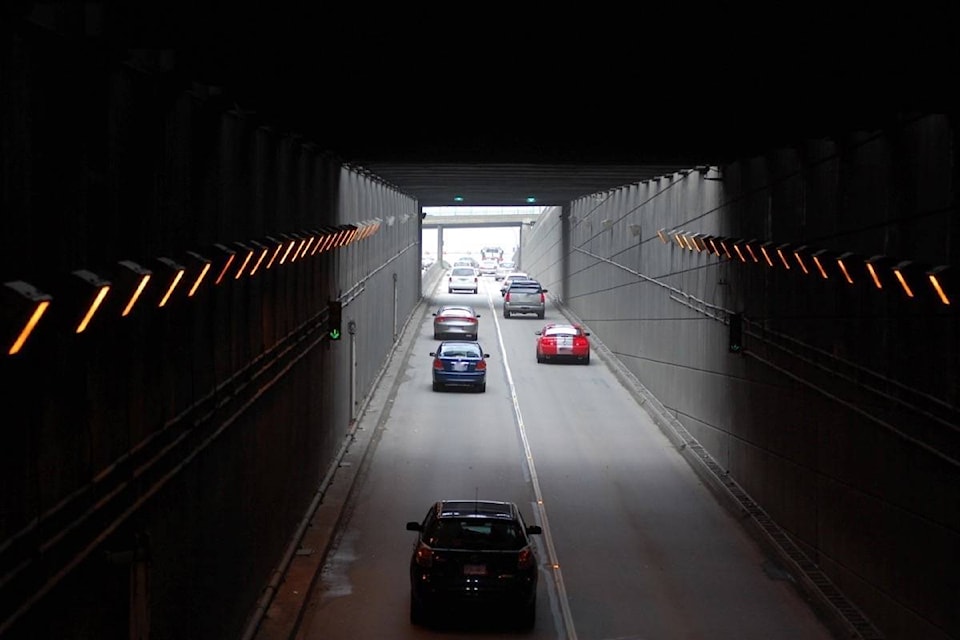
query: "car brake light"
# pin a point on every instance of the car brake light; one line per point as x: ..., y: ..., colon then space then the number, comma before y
x: 472, y: 320
x: 437, y: 364
x: 482, y: 365
x: 440, y: 319
x: 541, y: 297
x: 524, y: 558
x: 506, y: 298
x: 424, y: 555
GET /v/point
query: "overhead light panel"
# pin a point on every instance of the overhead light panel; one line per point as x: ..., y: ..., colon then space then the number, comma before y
x: 23, y: 307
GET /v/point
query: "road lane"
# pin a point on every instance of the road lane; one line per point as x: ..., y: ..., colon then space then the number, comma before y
x: 644, y: 549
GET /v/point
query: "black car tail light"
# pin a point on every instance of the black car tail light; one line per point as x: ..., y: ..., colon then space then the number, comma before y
x: 438, y: 364
x: 525, y: 558
x: 424, y: 556
x: 542, y: 299
x: 482, y: 365
x: 506, y: 298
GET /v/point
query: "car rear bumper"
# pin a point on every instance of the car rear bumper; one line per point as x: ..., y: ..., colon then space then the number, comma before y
x: 457, y: 378
x: 517, y: 592
x: 522, y: 308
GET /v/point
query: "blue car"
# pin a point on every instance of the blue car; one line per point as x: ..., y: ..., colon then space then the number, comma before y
x: 459, y: 363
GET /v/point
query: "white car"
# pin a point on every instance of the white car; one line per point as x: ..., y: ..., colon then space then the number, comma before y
x: 488, y: 267
x: 505, y: 267
x: 462, y: 279
x: 513, y: 275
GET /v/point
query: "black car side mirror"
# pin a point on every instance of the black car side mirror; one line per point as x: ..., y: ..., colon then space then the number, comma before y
x: 433, y: 354
x: 544, y: 291
x: 414, y: 526
x: 531, y: 529
x: 486, y: 355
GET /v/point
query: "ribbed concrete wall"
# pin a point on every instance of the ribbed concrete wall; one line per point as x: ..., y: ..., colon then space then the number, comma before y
x: 840, y: 418
x: 156, y: 468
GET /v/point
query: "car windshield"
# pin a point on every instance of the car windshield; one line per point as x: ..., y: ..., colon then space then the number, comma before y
x: 474, y: 533
x: 459, y: 351
x: 463, y: 271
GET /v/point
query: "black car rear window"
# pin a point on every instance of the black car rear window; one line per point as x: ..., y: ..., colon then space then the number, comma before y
x: 474, y: 533
x: 459, y: 351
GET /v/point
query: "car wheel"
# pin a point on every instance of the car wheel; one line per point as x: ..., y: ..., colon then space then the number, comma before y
x: 587, y: 359
x: 482, y: 387
x: 540, y: 315
x: 437, y: 386
x: 506, y: 314
x: 436, y: 336
x: 449, y: 290
x: 418, y: 614
x: 527, y: 617
x: 539, y: 359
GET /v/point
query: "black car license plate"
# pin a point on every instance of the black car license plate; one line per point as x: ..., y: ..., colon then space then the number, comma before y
x: 474, y: 569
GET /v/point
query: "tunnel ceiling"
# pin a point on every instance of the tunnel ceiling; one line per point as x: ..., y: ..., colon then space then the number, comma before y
x: 498, y: 103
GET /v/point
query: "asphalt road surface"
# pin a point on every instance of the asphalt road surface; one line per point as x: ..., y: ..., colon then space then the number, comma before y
x: 634, y: 546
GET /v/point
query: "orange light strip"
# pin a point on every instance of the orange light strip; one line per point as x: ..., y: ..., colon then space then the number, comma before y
x: 136, y: 295
x: 101, y: 294
x: 28, y: 327
x: 752, y: 254
x: 766, y: 256
x: 274, y: 256
x: 196, y: 283
x: 243, y: 265
x: 662, y: 234
x: 173, y: 285
x: 874, y: 276
x: 803, y: 266
x: 287, y: 252
x: 903, y: 282
x: 226, y: 267
x: 736, y: 248
x: 823, y: 272
x: 846, y: 274
x: 783, y: 259
x: 726, y: 250
x: 944, y: 298
x: 263, y: 256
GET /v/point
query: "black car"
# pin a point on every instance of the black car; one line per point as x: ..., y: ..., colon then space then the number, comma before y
x: 473, y: 553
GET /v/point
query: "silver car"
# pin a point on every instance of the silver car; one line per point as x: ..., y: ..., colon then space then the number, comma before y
x: 524, y: 296
x: 455, y: 321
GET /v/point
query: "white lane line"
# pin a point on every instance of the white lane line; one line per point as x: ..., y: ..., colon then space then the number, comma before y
x: 571, y: 632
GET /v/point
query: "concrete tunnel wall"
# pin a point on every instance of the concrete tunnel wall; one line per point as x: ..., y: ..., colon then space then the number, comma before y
x: 839, y: 418
x: 156, y: 467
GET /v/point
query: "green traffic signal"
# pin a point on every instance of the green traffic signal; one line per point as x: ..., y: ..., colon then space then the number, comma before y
x: 334, y: 315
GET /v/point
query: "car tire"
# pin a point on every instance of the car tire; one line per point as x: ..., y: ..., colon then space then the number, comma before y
x: 418, y: 614
x: 587, y: 359
x: 449, y: 290
x: 436, y: 336
x: 482, y: 387
x: 540, y: 315
x: 539, y: 359
x: 506, y: 314
x: 527, y: 617
x: 437, y: 386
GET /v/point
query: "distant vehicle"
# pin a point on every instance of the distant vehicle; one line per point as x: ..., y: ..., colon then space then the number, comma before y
x: 462, y: 279
x: 455, y: 320
x: 459, y: 363
x: 563, y: 342
x: 491, y: 253
x: 524, y: 296
x: 488, y: 267
x: 474, y: 552
x: 505, y: 267
x: 510, y: 277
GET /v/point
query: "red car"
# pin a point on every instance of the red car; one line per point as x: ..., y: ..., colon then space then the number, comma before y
x: 563, y: 342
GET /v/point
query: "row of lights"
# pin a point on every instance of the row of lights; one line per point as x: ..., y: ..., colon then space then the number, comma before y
x: 24, y: 306
x: 883, y: 272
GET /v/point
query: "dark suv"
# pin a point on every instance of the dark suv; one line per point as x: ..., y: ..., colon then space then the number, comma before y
x: 474, y: 553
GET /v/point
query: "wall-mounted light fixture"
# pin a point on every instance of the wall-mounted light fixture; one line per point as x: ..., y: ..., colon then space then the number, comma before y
x: 131, y: 281
x: 88, y: 291
x: 225, y: 257
x: 767, y: 250
x: 261, y: 251
x: 783, y: 253
x: 289, y: 242
x: 606, y: 224
x: 169, y: 274
x: 850, y: 266
x: 697, y: 239
x: 752, y: 247
x: 911, y: 277
x: 943, y: 281
x: 246, y: 255
x: 662, y: 234
x: 677, y: 235
x: 276, y: 246
x: 822, y: 259
x: 725, y: 244
x: 739, y: 248
x: 23, y: 305
x: 802, y: 255
x: 880, y: 270
x: 201, y: 266
x: 634, y: 230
